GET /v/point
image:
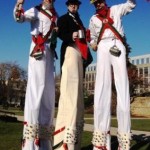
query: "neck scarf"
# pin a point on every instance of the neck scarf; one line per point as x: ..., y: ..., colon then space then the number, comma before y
x: 103, y: 11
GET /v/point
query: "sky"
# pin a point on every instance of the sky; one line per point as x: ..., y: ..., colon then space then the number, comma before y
x: 15, y: 37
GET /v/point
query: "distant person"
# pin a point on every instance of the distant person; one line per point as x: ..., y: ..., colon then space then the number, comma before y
x: 40, y: 92
x: 107, y: 38
x: 74, y: 50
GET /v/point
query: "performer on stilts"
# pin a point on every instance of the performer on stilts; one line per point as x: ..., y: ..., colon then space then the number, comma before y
x: 69, y: 121
x: 107, y: 38
x: 40, y: 92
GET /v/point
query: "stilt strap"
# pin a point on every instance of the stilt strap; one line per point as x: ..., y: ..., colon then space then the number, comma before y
x: 101, y: 147
x: 58, y: 145
x: 58, y: 131
x: 65, y: 146
x: 55, y: 133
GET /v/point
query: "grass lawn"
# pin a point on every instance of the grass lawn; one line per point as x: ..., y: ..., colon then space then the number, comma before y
x: 136, y: 124
x: 17, y: 111
x: 11, y: 133
x: 135, y: 145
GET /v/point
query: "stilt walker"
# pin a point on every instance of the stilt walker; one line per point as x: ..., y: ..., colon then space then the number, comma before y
x: 107, y: 38
x: 40, y: 92
x: 69, y: 121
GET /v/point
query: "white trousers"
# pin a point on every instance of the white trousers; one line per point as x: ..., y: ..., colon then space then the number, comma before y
x: 40, y: 97
x: 71, y: 107
x: 102, y: 99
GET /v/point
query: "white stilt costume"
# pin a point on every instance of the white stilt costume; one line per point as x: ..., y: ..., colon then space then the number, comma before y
x: 40, y: 92
x: 106, y: 60
x: 69, y: 122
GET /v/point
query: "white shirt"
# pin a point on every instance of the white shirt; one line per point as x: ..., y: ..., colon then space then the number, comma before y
x: 116, y: 13
x: 40, y: 23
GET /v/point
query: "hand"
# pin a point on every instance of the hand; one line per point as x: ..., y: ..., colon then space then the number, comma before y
x: 19, y: 2
x: 56, y: 29
x: 94, y: 46
x: 74, y: 35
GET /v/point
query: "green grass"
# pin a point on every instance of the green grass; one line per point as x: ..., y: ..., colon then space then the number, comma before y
x: 17, y: 111
x: 88, y: 115
x: 11, y: 133
x: 136, y: 124
x: 135, y: 145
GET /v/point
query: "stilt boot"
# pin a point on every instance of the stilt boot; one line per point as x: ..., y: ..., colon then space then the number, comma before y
x: 99, y: 140
x: 124, y: 141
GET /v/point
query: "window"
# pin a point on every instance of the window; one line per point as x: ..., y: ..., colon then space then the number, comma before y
x: 147, y: 60
x: 93, y: 77
x: 146, y: 72
x: 89, y: 77
x: 146, y: 82
x: 141, y: 72
x: 142, y: 61
x: 137, y: 61
x: 86, y: 77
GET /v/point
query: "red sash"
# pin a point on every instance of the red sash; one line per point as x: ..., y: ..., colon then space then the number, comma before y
x: 40, y: 39
x: 82, y: 46
x: 107, y: 23
x: 81, y: 43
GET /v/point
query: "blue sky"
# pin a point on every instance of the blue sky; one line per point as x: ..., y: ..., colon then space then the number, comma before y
x: 15, y: 38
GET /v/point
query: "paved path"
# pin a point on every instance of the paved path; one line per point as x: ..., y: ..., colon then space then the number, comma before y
x: 89, y: 127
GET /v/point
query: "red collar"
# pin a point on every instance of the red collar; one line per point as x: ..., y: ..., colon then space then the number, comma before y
x: 103, y: 11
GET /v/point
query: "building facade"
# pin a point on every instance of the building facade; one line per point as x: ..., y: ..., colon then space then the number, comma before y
x: 89, y: 80
x: 143, y: 68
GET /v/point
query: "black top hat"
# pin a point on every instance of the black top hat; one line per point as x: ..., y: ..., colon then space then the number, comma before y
x: 73, y: 2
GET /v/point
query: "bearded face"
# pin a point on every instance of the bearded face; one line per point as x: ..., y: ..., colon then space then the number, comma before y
x: 99, y: 4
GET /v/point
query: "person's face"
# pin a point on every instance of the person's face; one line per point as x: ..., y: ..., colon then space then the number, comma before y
x: 48, y: 3
x: 99, y: 4
x: 73, y: 8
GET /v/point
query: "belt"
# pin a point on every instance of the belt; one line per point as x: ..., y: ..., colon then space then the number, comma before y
x: 109, y: 38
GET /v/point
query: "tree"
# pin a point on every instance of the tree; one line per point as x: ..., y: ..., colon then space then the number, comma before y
x: 134, y: 79
x: 57, y: 89
x: 9, y: 74
x: 11, y: 70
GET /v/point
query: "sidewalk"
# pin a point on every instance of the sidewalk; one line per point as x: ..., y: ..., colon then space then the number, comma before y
x: 89, y: 127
